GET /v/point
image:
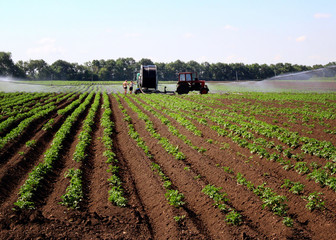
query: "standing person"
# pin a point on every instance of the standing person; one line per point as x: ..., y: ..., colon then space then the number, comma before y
x: 125, y: 86
x: 131, y: 87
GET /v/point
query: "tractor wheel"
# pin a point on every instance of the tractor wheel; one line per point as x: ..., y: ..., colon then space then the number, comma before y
x: 204, y: 90
x: 182, y: 89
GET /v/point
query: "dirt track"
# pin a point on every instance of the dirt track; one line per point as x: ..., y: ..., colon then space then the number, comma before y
x: 148, y: 214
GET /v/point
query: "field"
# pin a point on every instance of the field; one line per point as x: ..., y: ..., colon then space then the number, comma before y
x: 321, y: 85
x: 88, y: 164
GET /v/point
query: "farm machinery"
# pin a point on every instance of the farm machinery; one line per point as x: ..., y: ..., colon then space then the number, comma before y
x: 147, y: 82
x: 188, y: 81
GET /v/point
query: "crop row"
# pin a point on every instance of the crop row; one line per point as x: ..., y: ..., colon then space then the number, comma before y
x: 131, y: 130
x: 116, y: 193
x: 14, y: 133
x: 152, y: 108
x: 25, y: 107
x: 74, y: 192
x: 271, y: 200
x: 221, y: 200
x: 322, y: 176
x: 29, y: 188
x: 6, y: 124
x: 239, y: 133
x: 9, y: 102
x: 85, y: 135
x: 170, y: 148
x: 299, y: 112
x: 175, y: 198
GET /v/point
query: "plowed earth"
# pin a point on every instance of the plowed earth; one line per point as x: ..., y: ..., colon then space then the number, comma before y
x: 148, y: 214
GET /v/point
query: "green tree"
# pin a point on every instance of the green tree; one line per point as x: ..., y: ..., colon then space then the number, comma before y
x: 63, y: 70
x: 145, y: 61
x: 124, y: 68
x: 193, y: 66
x: 7, y: 66
x: 104, y: 74
x: 37, y: 69
x: 205, y: 73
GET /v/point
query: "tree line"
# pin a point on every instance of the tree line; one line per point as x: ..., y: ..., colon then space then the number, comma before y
x: 125, y: 69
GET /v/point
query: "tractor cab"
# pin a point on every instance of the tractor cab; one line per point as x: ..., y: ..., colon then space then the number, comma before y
x: 188, y: 76
x: 188, y: 81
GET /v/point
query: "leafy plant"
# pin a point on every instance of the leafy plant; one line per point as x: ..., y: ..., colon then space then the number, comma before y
x: 179, y: 218
x: 301, y: 167
x: 240, y: 179
x: 320, y: 176
x: 225, y: 146
x: 314, y: 201
x: 116, y: 193
x: 331, y: 166
x: 276, y: 204
x: 197, y: 176
x: 31, y: 143
x: 202, y: 150
x: 174, y: 198
x: 48, y: 125
x: 227, y: 169
x: 220, y: 199
x: 315, y: 165
x: 233, y: 217
x: 288, y: 222
x: 116, y: 196
x: 74, y: 193
x: 294, y: 187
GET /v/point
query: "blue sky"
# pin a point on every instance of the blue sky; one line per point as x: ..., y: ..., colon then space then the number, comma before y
x: 258, y: 31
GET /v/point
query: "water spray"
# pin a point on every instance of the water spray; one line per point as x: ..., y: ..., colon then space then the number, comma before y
x: 329, y: 71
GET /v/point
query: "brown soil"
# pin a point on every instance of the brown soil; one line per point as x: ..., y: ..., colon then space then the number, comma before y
x: 148, y: 214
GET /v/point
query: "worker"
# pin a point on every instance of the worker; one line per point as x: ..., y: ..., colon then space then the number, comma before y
x: 131, y: 87
x: 125, y: 86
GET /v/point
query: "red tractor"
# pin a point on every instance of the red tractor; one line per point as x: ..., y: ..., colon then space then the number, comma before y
x: 188, y: 81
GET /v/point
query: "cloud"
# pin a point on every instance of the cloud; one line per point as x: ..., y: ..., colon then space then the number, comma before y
x: 202, y: 59
x: 322, y: 15
x: 301, y: 39
x: 132, y: 35
x: 188, y: 35
x: 230, y: 28
x: 46, y: 41
x: 235, y: 58
x: 45, y: 46
x: 315, y: 57
x: 109, y: 30
x: 277, y: 58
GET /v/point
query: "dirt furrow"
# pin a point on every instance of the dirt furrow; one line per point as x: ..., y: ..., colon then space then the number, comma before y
x: 17, y: 167
x: 243, y: 200
x: 17, y: 122
x: 256, y: 173
x: 25, y: 158
x: 94, y: 169
x: 269, y: 169
x: 57, y: 183
x: 13, y: 147
x: 50, y: 219
x: 148, y: 186
x: 209, y: 220
x: 96, y: 186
